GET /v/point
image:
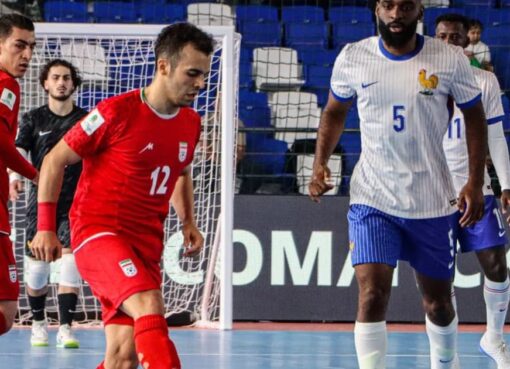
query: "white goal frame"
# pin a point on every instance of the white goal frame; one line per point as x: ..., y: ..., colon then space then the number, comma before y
x: 226, y: 35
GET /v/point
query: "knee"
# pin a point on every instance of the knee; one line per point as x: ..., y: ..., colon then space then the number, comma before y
x: 374, y: 298
x: 38, y: 274
x: 6, y: 327
x: 69, y: 275
x: 497, y: 271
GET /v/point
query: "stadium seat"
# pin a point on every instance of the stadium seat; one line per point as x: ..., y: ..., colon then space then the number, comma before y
x: 254, y: 110
x: 258, y: 35
x: 350, y: 15
x: 431, y: 14
x: 65, y: 11
x: 317, y: 57
x: 256, y: 13
x: 161, y: 13
x: 89, y: 97
x: 489, y: 17
x: 506, y: 108
x: 90, y: 59
x: 276, y: 68
x: 307, y: 34
x: 346, y: 33
x: 475, y: 3
x: 302, y: 14
x: 500, y: 58
x: 317, y: 76
x: 210, y: 14
x: 115, y: 12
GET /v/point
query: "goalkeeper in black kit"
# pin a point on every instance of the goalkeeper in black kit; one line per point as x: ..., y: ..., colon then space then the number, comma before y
x: 40, y: 129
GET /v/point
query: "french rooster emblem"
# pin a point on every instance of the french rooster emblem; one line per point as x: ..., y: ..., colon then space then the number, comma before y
x: 429, y: 84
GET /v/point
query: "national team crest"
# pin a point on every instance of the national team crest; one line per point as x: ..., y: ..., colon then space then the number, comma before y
x: 183, y: 151
x: 13, y: 274
x: 128, y: 267
x: 429, y: 84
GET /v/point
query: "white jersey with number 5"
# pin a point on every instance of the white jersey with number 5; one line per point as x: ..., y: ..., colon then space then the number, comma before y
x: 455, y: 145
x: 402, y: 105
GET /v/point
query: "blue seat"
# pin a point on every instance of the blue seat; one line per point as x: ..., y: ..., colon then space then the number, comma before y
x: 500, y: 58
x: 318, y: 57
x: 302, y: 14
x: 255, y: 35
x: 350, y: 14
x: 431, y: 14
x: 346, y: 33
x: 65, y: 11
x: 161, y: 13
x: 254, y: 109
x: 115, y: 12
x: 317, y: 76
x: 256, y: 13
x: 306, y: 34
x: 475, y: 3
x: 269, y: 154
x: 506, y: 108
x: 245, y: 77
x: 489, y: 17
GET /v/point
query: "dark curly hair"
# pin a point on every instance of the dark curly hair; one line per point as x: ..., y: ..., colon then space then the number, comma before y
x: 45, y: 71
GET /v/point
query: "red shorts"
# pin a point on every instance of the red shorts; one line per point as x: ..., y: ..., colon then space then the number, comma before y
x: 115, y: 269
x: 9, y: 285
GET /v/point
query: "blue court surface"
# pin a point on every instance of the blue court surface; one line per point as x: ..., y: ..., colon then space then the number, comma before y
x: 241, y: 349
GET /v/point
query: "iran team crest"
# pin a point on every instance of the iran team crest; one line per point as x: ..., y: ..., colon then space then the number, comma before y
x: 183, y: 151
x: 128, y: 267
x: 13, y: 275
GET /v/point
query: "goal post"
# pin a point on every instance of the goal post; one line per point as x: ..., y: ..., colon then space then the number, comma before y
x: 113, y: 59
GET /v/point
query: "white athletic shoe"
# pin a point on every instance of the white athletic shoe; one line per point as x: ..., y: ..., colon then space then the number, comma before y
x: 497, y: 352
x: 66, y: 338
x: 456, y: 362
x: 39, y: 337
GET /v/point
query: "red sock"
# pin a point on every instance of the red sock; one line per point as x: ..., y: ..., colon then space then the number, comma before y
x: 3, y: 324
x: 154, y: 348
x: 101, y: 366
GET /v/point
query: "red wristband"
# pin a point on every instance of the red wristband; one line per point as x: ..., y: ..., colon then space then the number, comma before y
x: 47, y: 216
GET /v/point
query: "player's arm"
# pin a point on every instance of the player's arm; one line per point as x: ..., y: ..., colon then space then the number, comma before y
x: 11, y: 157
x: 471, y: 201
x: 499, y: 154
x: 45, y: 245
x: 331, y: 126
x: 182, y: 201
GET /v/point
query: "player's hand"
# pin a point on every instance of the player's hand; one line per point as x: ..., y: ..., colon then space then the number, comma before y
x: 505, y: 205
x: 46, y: 246
x: 321, y: 182
x: 193, y: 240
x: 470, y: 204
x: 15, y: 188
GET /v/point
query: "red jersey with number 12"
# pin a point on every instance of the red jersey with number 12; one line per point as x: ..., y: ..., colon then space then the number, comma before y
x: 132, y: 158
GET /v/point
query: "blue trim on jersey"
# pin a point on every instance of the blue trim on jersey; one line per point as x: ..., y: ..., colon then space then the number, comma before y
x: 420, y: 41
x: 470, y: 103
x: 495, y: 120
x: 342, y: 99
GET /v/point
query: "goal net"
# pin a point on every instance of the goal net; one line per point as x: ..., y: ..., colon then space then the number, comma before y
x: 114, y: 59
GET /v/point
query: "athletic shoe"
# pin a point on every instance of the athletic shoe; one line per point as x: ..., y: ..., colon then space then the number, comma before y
x: 39, y: 337
x: 66, y: 338
x: 496, y: 351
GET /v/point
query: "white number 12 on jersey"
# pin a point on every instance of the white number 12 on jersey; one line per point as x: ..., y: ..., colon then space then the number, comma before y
x: 155, y: 176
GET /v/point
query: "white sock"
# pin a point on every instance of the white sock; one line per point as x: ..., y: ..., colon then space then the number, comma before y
x: 370, y: 341
x: 443, y: 343
x: 496, y: 303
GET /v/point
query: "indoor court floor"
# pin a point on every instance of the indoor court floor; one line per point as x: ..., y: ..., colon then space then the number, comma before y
x: 248, y: 346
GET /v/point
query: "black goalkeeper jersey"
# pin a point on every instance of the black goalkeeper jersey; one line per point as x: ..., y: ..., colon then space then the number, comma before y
x: 39, y: 130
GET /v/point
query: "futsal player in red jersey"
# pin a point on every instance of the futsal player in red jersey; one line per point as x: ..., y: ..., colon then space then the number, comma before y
x: 17, y: 41
x: 136, y: 150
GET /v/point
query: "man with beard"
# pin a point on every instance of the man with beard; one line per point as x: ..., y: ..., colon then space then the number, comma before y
x: 137, y: 150
x: 402, y: 196
x: 486, y: 238
x: 40, y: 129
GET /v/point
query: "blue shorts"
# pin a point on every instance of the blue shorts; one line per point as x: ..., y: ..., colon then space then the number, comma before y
x: 486, y: 233
x: 427, y: 244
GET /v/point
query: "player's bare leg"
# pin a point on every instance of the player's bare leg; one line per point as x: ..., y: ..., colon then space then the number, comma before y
x: 441, y: 321
x: 120, y: 347
x: 496, y: 296
x: 374, y: 282
x: 154, y: 348
x: 8, y: 311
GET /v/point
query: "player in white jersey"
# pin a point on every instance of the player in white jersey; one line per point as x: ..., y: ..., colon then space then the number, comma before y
x: 487, y: 237
x: 402, y: 196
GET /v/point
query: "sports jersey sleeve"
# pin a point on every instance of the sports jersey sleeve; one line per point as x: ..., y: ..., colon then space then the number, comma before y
x: 491, y: 99
x: 11, y: 158
x: 93, y: 133
x: 340, y: 79
x: 9, y: 99
x: 24, y: 139
x: 464, y: 89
